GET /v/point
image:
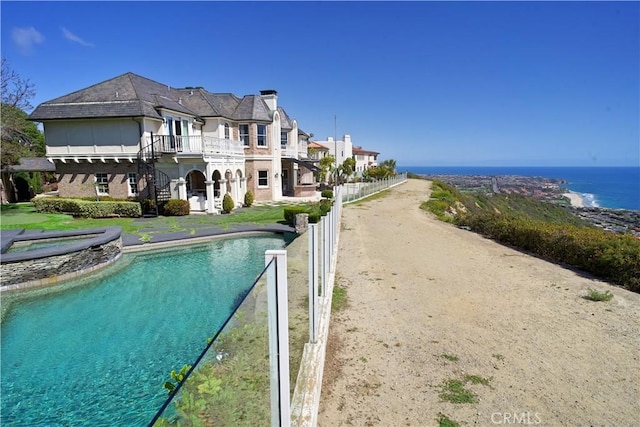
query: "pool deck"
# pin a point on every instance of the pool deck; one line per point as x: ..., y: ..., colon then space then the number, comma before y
x: 160, y: 235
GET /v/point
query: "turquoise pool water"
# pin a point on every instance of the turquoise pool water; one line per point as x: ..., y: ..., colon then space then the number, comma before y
x: 97, y: 351
x: 32, y: 245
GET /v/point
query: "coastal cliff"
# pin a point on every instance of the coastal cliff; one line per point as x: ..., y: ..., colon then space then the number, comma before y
x: 549, y: 190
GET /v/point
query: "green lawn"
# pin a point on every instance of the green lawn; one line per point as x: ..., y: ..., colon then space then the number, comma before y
x: 23, y: 215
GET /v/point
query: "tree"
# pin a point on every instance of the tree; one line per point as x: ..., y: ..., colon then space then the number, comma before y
x: 16, y: 92
x: 326, y: 167
x: 19, y: 137
x: 347, y: 168
x: 386, y: 169
x: 390, y: 166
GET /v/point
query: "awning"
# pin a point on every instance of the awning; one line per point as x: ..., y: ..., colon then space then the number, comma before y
x: 305, y: 164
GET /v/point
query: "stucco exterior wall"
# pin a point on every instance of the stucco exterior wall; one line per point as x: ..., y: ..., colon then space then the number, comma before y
x: 107, y: 136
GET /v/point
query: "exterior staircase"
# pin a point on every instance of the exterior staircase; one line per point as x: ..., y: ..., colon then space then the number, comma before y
x: 156, y: 183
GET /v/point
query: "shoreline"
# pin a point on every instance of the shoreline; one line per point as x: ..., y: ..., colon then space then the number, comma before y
x: 575, y: 199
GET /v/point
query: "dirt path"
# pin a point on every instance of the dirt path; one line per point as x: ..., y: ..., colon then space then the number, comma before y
x: 423, y: 293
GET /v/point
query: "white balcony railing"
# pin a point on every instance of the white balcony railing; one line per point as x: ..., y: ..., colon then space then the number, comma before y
x: 302, y: 149
x: 289, y: 152
x: 195, y: 144
x: 213, y: 145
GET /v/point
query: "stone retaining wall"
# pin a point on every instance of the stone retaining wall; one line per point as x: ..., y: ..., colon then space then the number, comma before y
x: 49, y: 270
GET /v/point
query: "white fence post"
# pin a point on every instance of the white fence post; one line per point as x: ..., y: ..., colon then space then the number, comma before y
x: 278, y: 314
x: 323, y: 252
x: 313, y: 282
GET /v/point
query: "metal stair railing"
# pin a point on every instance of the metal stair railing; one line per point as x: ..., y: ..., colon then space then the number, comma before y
x: 157, y: 183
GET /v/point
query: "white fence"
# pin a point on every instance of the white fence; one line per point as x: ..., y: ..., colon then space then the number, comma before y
x: 301, y: 409
x: 358, y: 190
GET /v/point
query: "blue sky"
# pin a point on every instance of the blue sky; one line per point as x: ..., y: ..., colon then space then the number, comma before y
x: 424, y: 83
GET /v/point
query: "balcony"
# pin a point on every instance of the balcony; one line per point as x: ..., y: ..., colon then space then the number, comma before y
x: 195, y: 145
x: 289, y: 152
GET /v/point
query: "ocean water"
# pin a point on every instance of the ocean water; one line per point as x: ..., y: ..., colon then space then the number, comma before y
x: 607, y: 187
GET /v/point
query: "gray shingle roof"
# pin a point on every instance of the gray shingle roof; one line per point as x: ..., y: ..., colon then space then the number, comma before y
x: 208, y: 104
x: 253, y: 108
x: 131, y: 95
x: 123, y: 96
x: 285, y: 121
x: 32, y: 164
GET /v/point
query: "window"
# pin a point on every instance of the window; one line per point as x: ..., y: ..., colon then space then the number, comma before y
x: 244, y: 135
x: 102, y: 184
x: 132, y: 179
x: 262, y: 135
x: 226, y: 131
x: 263, y: 178
x: 284, y: 139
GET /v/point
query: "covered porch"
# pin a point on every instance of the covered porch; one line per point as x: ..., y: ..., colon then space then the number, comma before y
x: 298, y: 178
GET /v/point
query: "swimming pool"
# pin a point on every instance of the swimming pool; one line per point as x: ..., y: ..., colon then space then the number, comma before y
x: 96, y: 351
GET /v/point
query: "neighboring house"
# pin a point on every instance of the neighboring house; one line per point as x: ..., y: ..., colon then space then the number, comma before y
x: 345, y: 149
x: 134, y: 137
x: 364, y: 159
x: 317, y: 151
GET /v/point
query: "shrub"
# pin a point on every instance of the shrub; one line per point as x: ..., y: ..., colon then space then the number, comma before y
x: 87, y: 209
x: 176, y: 207
x: 607, y: 255
x: 595, y: 295
x: 290, y: 213
x: 104, y: 199
x: 327, y: 194
x: 148, y: 205
x: 248, y: 198
x: 227, y: 203
x: 314, y: 217
x: 325, y: 206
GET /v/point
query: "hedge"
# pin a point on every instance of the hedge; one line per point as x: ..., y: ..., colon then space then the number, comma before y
x: 316, y: 211
x: 611, y: 256
x: 543, y: 229
x: 290, y: 213
x: 87, y: 209
x: 327, y: 194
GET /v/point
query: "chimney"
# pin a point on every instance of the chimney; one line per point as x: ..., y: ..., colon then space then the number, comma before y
x: 347, y: 139
x: 271, y: 98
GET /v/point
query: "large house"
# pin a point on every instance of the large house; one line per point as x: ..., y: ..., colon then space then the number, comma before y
x: 134, y: 137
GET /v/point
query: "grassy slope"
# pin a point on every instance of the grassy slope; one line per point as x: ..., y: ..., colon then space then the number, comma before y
x: 543, y: 229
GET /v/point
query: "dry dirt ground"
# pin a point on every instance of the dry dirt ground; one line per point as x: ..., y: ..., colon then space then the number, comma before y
x: 429, y: 303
